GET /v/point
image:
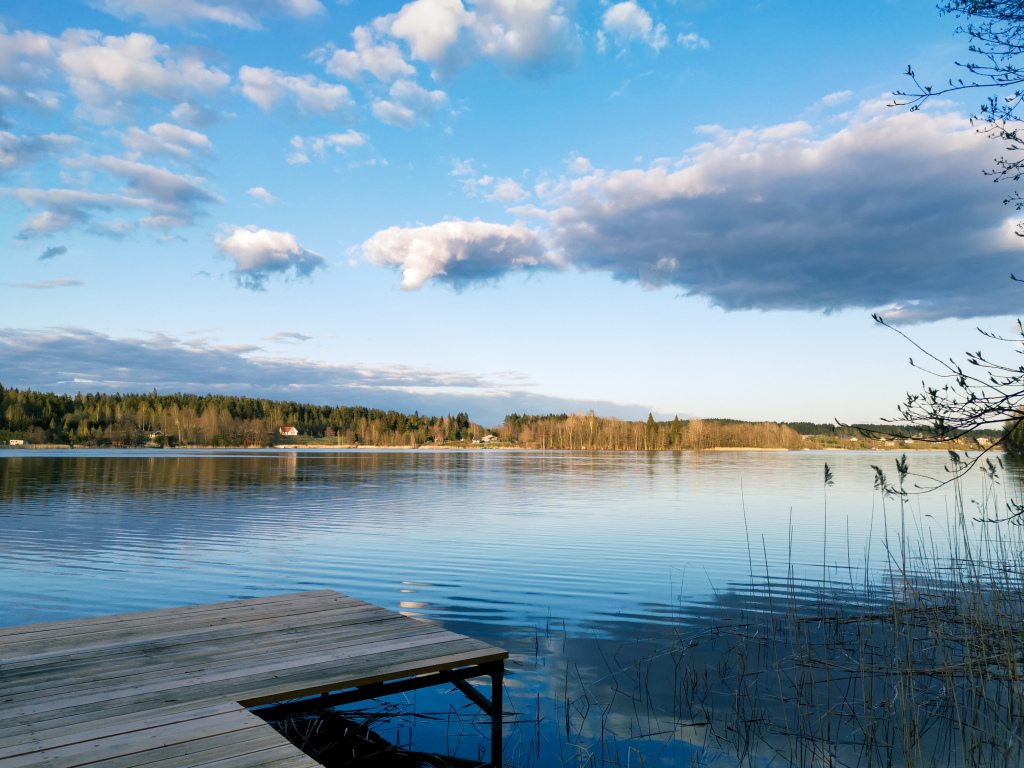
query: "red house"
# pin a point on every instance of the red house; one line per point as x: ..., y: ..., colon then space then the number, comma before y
x: 289, y: 431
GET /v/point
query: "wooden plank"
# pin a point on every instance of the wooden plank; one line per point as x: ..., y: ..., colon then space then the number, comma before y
x: 252, y: 748
x: 327, y: 678
x: 234, y: 725
x: 226, y: 682
x: 160, y: 689
x: 70, y: 627
x: 112, y: 727
x: 109, y: 662
x: 24, y: 647
x: 191, y: 643
x: 217, y: 672
x: 213, y: 670
x: 248, y: 603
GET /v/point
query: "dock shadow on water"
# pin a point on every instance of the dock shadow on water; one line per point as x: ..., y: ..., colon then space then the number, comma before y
x: 917, y: 662
x: 336, y: 739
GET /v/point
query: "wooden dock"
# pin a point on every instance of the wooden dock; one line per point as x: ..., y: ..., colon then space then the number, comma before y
x: 172, y: 688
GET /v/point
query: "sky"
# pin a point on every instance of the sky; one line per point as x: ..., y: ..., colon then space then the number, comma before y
x: 688, y: 208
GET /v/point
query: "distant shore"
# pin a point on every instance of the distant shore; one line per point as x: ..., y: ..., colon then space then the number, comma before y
x: 460, y: 447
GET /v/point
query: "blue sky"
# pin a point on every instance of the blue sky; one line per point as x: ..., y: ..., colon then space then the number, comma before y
x: 685, y: 207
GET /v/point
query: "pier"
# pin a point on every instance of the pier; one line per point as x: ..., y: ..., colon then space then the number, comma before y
x: 173, y: 688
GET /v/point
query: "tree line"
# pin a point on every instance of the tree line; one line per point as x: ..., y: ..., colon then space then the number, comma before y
x: 590, y: 432
x: 212, y: 420
x: 101, y: 419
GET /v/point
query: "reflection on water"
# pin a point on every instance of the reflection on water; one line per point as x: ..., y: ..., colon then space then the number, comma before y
x: 563, y: 558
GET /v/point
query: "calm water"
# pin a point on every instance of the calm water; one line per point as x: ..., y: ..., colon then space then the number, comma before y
x: 562, y: 558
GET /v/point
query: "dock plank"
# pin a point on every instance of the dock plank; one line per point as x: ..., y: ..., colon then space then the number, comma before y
x: 39, y: 676
x: 169, y: 688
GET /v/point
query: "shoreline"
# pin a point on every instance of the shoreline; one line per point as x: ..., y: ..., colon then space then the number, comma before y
x: 280, y: 447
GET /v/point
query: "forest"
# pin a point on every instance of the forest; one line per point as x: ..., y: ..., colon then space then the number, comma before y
x: 209, y: 420
x: 133, y: 420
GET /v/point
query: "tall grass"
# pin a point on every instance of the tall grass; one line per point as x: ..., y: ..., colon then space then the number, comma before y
x: 916, y: 661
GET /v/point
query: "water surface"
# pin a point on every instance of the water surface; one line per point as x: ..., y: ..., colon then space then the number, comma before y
x: 558, y: 557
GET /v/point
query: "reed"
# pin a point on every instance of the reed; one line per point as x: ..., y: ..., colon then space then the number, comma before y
x: 918, y: 666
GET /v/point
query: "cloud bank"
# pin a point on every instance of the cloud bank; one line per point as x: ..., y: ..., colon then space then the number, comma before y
x: 889, y: 212
x: 71, y: 360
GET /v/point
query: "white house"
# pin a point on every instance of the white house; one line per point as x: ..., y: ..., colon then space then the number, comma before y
x: 17, y: 442
x: 289, y: 431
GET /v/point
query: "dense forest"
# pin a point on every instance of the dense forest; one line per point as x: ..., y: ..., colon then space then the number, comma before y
x: 220, y: 420
x: 210, y: 420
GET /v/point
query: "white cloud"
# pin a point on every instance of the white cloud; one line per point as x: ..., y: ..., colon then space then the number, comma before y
x: 318, y: 145
x: 262, y: 195
x: 692, y: 41
x: 835, y: 98
x: 258, y: 252
x: 529, y: 212
x: 194, y: 115
x: 382, y: 60
x: 171, y: 200
x: 528, y: 36
x: 70, y: 359
x: 25, y: 56
x: 408, y: 102
x: 504, y: 190
x: 462, y: 167
x: 167, y: 195
x: 578, y: 165
x: 472, y: 185
x: 299, y: 155
x: 457, y: 252
x: 288, y: 337
x: 889, y: 211
x: 628, y: 22
x: 508, y: 191
x: 430, y: 27
x: 265, y: 87
x: 102, y: 71
x: 16, y: 151
x: 66, y: 282
x: 41, y: 102
x: 165, y: 139
x: 236, y: 13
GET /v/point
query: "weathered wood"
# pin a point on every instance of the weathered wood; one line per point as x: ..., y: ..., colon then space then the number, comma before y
x: 71, y: 627
x: 168, y: 688
x: 22, y: 645
x: 236, y: 679
x: 180, y: 659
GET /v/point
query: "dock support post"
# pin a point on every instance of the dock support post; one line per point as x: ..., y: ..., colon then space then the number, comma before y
x: 496, y: 716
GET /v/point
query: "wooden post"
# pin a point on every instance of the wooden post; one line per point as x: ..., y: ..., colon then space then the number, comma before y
x: 496, y: 689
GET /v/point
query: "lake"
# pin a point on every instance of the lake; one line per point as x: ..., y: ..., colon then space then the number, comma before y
x: 578, y: 563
